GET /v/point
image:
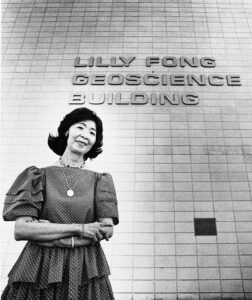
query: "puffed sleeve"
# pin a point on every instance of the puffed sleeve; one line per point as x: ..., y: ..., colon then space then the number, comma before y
x: 25, y: 196
x: 106, y: 201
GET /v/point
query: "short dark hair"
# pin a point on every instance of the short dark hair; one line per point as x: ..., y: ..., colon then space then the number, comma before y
x: 58, y: 143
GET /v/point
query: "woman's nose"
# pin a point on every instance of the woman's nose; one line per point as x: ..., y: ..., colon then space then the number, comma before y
x: 84, y: 134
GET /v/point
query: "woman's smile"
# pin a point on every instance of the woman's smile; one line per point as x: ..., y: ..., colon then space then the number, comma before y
x: 82, y: 143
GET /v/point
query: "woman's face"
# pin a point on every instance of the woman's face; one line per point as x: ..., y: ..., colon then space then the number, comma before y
x: 81, y: 137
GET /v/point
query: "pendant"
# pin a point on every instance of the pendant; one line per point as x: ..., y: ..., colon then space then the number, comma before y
x: 70, y: 193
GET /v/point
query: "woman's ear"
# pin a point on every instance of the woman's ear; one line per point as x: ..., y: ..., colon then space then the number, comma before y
x: 66, y: 133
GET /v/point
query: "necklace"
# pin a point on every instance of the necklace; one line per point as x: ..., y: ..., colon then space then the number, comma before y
x: 70, y: 191
x: 62, y: 163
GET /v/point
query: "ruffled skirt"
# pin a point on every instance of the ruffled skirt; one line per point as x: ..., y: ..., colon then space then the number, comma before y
x: 96, y: 289
x: 43, y: 273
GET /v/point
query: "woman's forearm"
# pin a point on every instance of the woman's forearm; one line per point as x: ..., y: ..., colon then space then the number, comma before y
x: 80, y: 242
x: 27, y: 229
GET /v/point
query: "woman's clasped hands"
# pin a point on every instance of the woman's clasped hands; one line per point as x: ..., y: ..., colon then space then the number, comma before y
x: 96, y: 231
x: 88, y: 234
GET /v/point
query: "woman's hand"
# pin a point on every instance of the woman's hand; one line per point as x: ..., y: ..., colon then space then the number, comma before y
x: 107, y: 228
x: 92, y: 231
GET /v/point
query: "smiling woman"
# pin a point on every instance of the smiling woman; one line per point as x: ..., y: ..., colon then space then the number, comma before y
x: 63, y: 211
x: 80, y: 117
x: 81, y: 139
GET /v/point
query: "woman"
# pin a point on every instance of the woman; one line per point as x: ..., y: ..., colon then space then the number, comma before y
x: 63, y: 211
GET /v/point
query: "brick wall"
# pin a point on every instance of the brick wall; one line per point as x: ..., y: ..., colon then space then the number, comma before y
x: 170, y: 163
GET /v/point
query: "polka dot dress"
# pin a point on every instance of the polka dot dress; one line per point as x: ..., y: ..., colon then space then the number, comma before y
x: 54, y: 273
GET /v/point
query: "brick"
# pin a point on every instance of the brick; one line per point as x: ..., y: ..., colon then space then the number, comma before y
x: 234, y: 286
x: 209, y: 286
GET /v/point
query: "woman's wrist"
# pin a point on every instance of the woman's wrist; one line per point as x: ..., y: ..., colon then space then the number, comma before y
x: 84, y: 230
x: 79, y: 229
